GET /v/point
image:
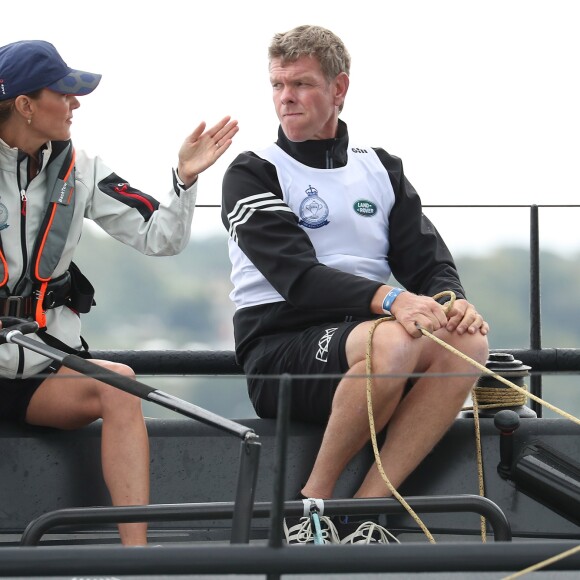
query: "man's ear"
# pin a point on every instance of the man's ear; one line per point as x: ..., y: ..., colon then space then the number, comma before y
x: 341, y: 83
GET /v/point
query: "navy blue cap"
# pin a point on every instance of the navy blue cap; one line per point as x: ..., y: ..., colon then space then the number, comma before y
x: 30, y: 65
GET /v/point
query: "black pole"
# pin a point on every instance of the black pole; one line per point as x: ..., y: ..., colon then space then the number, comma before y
x: 247, y: 478
x: 216, y: 510
x: 141, y: 390
x: 277, y: 514
x: 409, y: 558
x: 535, y: 305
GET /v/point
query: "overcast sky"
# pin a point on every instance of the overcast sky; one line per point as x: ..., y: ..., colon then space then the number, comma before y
x: 480, y: 99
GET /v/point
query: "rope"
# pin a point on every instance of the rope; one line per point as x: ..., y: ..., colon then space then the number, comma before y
x: 378, y: 461
x: 479, y: 460
x: 498, y: 400
x: 490, y: 397
x: 524, y: 393
x: 499, y: 377
x: 543, y: 564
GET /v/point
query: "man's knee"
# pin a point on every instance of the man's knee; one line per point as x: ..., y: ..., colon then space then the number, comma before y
x: 475, y: 346
x: 393, y: 348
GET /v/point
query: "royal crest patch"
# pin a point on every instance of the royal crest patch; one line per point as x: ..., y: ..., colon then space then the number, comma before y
x: 313, y: 210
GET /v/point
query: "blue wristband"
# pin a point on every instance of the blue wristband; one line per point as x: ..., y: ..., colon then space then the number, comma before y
x: 389, y: 299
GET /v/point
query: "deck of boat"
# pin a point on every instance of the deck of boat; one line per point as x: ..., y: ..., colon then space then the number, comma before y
x: 194, y: 482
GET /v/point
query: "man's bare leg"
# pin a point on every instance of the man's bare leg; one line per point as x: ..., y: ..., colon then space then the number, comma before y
x: 348, y: 425
x: 416, y: 423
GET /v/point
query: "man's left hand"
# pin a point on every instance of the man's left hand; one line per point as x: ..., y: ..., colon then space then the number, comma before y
x: 463, y: 317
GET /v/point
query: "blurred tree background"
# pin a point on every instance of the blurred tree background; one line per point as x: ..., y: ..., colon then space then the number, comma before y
x: 182, y: 302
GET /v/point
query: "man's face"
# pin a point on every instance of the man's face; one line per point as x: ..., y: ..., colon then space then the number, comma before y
x: 306, y: 102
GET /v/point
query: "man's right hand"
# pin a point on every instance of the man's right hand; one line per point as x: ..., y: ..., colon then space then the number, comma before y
x: 411, y: 310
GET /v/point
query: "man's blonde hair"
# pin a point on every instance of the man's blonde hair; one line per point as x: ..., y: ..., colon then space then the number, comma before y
x: 314, y: 41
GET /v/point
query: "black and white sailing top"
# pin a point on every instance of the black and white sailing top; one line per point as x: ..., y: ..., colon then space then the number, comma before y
x: 315, y: 228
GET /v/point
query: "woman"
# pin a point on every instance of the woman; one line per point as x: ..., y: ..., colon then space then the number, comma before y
x: 46, y: 191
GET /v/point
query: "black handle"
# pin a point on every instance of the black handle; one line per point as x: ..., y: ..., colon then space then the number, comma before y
x: 11, y: 323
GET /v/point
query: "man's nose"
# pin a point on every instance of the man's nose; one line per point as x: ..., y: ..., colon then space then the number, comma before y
x: 287, y: 95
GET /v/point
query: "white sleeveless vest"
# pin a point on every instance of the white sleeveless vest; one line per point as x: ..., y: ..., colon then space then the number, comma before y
x: 344, y: 211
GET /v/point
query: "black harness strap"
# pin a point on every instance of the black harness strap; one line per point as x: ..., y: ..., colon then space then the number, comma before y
x: 55, y: 227
x: 39, y: 291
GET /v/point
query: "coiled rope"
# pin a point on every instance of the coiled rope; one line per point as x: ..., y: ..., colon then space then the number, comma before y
x: 490, y: 398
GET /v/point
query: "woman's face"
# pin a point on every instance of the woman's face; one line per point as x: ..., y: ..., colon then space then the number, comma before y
x: 52, y: 115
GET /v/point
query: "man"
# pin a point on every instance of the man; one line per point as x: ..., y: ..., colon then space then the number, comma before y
x: 316, y: 227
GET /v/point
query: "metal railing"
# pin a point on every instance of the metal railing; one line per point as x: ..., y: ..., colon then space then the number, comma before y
x: 170, y: 362
x: 243, y: 509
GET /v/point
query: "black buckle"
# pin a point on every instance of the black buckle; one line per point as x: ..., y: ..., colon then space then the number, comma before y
x: 49, y: 300
x: 13, y: 306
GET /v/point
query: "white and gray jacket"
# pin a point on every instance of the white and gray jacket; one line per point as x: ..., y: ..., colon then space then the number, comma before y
x: 132, y: 217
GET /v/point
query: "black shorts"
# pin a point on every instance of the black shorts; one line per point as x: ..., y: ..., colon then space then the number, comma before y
x: 15, y: 394
x: 319, y: 350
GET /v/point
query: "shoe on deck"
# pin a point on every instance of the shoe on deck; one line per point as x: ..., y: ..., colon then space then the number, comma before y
x: 369, y: 533
x: 299, y: 531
